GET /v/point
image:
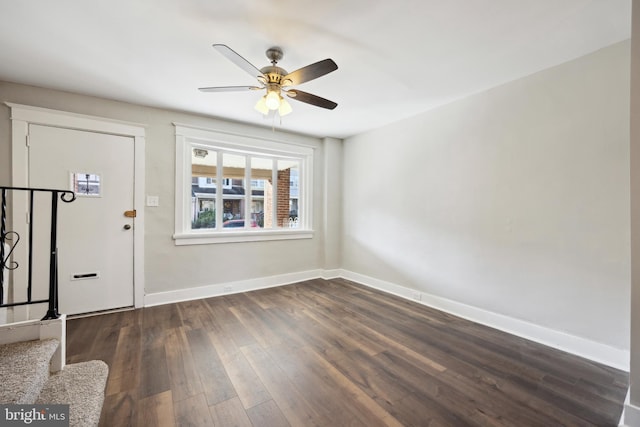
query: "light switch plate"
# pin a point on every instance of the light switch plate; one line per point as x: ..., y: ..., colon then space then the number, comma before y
x: 153, y: 201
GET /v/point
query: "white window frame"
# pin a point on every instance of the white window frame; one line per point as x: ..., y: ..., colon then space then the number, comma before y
x: 186, y: 136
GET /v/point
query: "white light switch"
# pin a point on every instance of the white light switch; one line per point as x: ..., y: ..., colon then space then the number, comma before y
x: 153, y: 201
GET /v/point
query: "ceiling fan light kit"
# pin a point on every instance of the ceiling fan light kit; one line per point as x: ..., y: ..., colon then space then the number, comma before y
x: 275, y: 80
x: 272, y: 99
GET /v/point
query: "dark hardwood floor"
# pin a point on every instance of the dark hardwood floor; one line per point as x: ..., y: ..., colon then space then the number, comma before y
x: 333, y: 353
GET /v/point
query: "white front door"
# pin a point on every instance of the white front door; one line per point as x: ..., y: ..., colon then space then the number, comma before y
x: 95, y: 237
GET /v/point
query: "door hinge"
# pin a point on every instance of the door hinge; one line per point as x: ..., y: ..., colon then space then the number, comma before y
x: 28, y: 140
x: 130, y: 214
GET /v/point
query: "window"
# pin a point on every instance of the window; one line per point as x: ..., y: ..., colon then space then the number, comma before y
x: 265, y: 192
x: 85, y: 184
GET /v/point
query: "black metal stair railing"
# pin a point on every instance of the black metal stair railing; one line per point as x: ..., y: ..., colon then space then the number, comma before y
x: 11, y: 239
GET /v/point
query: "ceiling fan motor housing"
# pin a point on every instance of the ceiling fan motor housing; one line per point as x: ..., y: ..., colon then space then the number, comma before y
x: 274, y: 74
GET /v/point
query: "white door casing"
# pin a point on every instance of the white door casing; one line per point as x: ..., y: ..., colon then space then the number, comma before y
x: 23, y: 117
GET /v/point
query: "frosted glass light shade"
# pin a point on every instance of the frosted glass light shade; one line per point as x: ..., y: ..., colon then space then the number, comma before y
x: 261, y: 106
x: 272, y: 100
x: 285, y: 107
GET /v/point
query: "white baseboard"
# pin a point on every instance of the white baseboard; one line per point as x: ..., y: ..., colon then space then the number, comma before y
x: 588, y: 349
x: 624, y: 407
x: 630, y: 415
x: 331, y: 274
x: 218, y: 289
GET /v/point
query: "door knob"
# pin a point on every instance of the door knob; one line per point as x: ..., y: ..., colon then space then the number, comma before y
x: 127, y: 227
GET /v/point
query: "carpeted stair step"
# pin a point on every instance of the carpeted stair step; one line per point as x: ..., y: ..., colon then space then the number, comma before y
x: 24, y: 369
x: 81, y: 385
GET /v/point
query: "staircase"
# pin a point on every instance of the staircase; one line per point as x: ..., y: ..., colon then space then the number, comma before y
x: 26, y: 379
x: 32, y: 352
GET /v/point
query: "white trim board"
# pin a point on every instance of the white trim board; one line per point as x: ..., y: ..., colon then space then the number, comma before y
x: 331, y: 274
x: 630, y: 415
x: 598, y: 352
x: 219, y: 289
x: 627, y: 402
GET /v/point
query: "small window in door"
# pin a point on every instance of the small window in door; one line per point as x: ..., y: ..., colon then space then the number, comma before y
x: 86, y: 184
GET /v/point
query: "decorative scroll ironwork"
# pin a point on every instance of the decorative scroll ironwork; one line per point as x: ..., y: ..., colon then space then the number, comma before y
x: 6, y: 261
x: 9, y: 265
x: 65, y: 194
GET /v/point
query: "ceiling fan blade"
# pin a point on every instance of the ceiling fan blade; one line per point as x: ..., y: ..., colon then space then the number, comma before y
x: 310, y: 98
x: 310, y: 72
x: 228, y: 88
x: 234, y: 57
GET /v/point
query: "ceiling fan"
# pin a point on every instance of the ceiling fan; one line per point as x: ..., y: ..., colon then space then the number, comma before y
x: 277, y: 81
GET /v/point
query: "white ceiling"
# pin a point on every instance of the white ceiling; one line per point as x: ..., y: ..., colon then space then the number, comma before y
x: 395, y: 58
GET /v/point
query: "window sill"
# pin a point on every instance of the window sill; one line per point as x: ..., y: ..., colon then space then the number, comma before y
x: 207, y: 238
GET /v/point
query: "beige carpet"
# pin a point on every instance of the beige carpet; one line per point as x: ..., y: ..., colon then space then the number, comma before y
x: 81, y: 385
x: 24, y: 369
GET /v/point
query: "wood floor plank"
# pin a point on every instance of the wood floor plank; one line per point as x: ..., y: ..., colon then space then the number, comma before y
x: 105, y: 341
x: 319, y: 383
x: 226, y: 322
x: 261, y: 331
x: 156, y: 410
x: 84, y: 332
x: 246, y: 383
x: 332, y: 352
x: 415, y: 410
x: 192, y: 411
x: 360, y: 368
x: 154, y: 374
x: 120, y: 409
x: 230, y: 413
x: 214, y: 379
x: 267, y: 414
x: 263, y: 298
x: 378, y: 342
x: 291, y: 401
x: 183, y: 375
x: 125, y: 371
x: 325, y: 323
x: 365, y: 408
x: 444, y: 398
x: 156, y: 321
x: 196, y: 315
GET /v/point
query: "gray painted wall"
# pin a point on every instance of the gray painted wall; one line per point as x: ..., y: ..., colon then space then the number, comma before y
x: 514, y: 200
x: 169, y: 267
